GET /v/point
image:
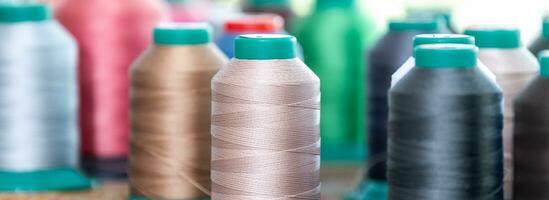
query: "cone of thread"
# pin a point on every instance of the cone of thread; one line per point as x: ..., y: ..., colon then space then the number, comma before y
x: 111, y: 34
x: 265, y: 123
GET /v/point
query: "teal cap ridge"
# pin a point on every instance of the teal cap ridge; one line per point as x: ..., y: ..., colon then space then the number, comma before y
x: 44, y: 180
x: 182, y: 34
x: 443, y: 38
x: 544, y: 63
x: 260, y: 3
x: 413, y: 25
x: 546, y: 27
x: 24, y: 12
x: 446, y: 56
x: 500, y: 38
x: 265, y: 47
x: 327, y: 4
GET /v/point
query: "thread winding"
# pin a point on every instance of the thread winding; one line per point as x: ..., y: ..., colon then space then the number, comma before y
x: 265, y: 131
x: 170, y: 142
x: 514, y: 69
x: 38, y: 97
x: 111, y: 34
x: 445, y: 136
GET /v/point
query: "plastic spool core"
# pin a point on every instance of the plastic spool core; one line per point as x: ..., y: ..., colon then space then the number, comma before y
x: 446, y: 56
x: 494, y: 37
x: 182, y: 34
x: 265, y: 47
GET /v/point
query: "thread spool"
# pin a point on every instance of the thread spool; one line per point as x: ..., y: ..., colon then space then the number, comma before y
x: 111, y: 34
x: 542, y: 42
x: 384, y: 59
x: 334, y: 51
x: 170, y: 143
x: 530, y: 137
x: 437, y: 39
x: 279, y: 7
x: 248, y: 24
x: 265, y: 123
x: 445, y: 128
x: 443, y: 15
x: 38, y: 95
x: 514, y: 67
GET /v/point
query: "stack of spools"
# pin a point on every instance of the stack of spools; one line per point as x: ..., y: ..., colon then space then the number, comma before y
x: 384, y: 59
x: 278, y: 7
x: 248, y: 24
x: 445, y: 128
x: 170, y: 143
x: 334, y: 38
x: 38, y: 102
x: 542, y: 42
x: 514, y: 67
x: 531, y: 143
x: 265, y: 123
x: 111, y: 34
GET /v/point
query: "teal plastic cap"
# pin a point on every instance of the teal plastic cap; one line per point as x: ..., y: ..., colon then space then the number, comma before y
x: 443, y: 39
x: 327, y: 4
x: 546, y: 27
x: 544, y: 63
x: 492, y: 37
x: 265, y: 47
x: 446, y: 56
x: 182, y: 34
x: 266, y: 3
x: 45, y: 180
x: 24, y: 12
x: 413, y: 25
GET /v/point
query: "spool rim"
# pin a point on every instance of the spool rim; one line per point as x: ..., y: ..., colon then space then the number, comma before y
x: 24, y: 12
x: 495, y: 37
x: 44, y: 180
x: 265, y: 47
x: 446, y: 56
x: 182, y: 34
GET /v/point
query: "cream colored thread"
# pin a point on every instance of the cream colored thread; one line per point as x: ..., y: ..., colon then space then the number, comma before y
x: 265, y: 131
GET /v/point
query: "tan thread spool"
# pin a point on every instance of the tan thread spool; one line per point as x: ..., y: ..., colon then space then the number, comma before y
x: 265, y: 123
x: 514, y: 69
x: 170, y: 114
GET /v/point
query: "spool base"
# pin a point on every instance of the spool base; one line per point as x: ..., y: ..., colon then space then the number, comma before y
x: 339, y: 152
x: 105, y: 168
x: 44, y: 180
x: 370, y: 190
x: 146, y: 198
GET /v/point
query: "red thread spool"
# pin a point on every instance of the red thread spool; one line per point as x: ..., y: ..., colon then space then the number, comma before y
x: 111, y: 34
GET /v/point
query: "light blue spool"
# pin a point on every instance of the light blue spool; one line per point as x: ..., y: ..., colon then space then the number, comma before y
x: 38, y: 102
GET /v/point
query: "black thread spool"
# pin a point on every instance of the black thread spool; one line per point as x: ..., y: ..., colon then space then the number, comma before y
x: 384, y: 59
x: 531, y: 137
x: 445, y: 122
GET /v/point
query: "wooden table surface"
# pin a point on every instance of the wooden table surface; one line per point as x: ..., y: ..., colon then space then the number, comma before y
x: 337, y: 179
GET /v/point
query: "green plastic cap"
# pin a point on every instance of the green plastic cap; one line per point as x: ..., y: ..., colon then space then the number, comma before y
x: 546, y: 27
x: 265, y: 47
x: 443, y: 39
x: 24, y: 12
x: 266, y: 3
x: 446, y: 56
x: 413, y: 25
x: 45, y: 180
x: 544, y: 63
x: 499, y: 38
x: 182, y: 34
x: 327, y: 4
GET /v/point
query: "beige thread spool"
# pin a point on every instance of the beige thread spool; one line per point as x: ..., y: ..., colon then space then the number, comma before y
x: 170, y: 113
x: 265, y: 123
x: 514, y: 67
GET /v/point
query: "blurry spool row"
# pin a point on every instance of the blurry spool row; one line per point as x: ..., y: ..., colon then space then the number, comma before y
x: 276, y: 113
